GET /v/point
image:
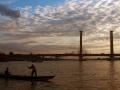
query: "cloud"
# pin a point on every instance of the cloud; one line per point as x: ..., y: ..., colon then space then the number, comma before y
x: 72, y: 16
x: 4, y: 10
x: 95, y: 17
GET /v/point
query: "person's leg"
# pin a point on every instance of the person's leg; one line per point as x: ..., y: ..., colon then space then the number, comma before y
x: 32, y: 73
x: 35, y: 73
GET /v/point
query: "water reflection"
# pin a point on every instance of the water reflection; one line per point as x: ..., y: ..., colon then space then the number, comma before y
x: 33, y: 85
x: 6, y: 83
x: 81, y: 74
x: 27, y: 85
x: 112, y: 76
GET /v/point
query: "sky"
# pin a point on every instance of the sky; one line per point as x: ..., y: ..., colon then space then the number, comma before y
x: 52, y: 26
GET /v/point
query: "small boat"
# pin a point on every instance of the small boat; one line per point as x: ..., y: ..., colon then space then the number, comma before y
x: 28, y: 78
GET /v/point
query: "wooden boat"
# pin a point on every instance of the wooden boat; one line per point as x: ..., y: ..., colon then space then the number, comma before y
x: 28, y: 78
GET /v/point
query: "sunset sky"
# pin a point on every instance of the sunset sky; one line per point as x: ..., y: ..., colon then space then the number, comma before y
x: 52, y: 26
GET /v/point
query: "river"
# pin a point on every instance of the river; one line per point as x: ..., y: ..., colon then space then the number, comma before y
x: 70, y: 75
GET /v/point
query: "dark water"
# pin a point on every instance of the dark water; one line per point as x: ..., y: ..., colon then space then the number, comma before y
x: 70, y: 75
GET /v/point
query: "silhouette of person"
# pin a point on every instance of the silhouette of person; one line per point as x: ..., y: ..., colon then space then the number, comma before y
x: 33, y: 73
x: 7, y: 71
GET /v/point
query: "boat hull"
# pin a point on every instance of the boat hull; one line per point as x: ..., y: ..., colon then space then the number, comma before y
x: 28, y: 78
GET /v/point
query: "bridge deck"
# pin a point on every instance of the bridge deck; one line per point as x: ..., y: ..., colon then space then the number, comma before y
x: 79, y: 55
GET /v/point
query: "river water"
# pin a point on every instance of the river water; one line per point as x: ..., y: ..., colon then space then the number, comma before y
x: 70, y: 75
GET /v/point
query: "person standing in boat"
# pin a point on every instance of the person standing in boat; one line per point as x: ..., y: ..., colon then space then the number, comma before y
x: 7, y: 71
x: 34, y: 72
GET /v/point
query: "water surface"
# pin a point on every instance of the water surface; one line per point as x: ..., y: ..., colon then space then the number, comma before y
x: 70, y: 75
